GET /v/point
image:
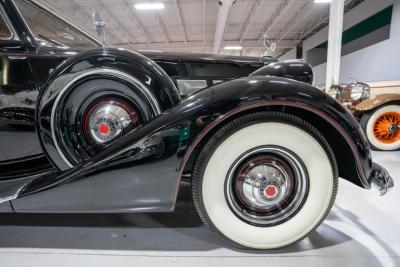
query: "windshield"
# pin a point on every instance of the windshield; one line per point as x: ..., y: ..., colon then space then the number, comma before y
x: 51, y: 29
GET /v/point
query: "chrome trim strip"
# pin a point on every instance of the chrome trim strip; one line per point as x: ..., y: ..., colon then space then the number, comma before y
x: 153, y: 102
x: 9, y: 26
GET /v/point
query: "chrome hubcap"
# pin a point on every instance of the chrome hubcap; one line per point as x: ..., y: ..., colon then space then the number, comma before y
x: 267, y: 185
x: 108, y: 119
x: 264, y: 184
x: 107, y: 122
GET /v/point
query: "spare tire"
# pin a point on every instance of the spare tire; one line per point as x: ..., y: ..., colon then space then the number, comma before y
x: 94, y: 99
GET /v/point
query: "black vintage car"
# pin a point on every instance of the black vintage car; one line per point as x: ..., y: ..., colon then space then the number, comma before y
x: 85, y: 129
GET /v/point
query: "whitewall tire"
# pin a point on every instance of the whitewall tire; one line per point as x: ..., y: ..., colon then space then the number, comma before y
x: 382, y: 127
x: 243, y: 213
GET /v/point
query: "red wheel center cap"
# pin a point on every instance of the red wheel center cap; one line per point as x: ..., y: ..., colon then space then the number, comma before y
x: 104, y: 129
x: 270, y: 191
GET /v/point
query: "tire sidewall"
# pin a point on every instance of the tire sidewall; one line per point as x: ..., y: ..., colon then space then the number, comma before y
x: 315, y: 207
x: 368, y: 122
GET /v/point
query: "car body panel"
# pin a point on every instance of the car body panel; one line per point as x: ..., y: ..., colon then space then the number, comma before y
x: 151, y: 183
x: 377, y: 101
x: 291, y: 69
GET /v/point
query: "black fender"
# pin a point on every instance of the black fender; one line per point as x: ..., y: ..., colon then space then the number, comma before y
x: 334, y: 121
x: 141, y: 171
x: 291, y: 69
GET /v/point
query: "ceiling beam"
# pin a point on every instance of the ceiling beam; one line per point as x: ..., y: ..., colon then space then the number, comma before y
x: 223, y: 14
x: 324, y: 19
x: 180, y: 19
x: 204, y: 19
x: 315, y: 25
x: 254, y: 12
x: 278, y: 14
x: 200, y: 44
x: 129, y: 36
x: 139, y: 22
x: 163, y: 27
x: 303, y: 13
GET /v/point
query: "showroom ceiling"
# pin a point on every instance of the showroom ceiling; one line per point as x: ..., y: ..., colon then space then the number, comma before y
x: 190, y: 25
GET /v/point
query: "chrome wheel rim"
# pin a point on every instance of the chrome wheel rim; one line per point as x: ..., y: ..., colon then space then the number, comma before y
x: 266, y: 186
x: 107, y: 122
x: 107, y: 119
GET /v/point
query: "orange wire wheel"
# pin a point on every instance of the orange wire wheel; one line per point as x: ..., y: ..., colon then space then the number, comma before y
x: 387, y: 128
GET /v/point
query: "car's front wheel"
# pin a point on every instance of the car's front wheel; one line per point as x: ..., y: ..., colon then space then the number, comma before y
x: 382, y: 127
x: 265, y: 180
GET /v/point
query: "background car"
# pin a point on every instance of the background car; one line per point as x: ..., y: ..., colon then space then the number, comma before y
x: 379, y: 115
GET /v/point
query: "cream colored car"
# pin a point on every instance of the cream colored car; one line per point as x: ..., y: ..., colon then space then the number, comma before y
x: 378, y: 115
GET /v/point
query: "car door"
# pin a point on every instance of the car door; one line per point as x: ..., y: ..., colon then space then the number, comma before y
x: 18, y: 93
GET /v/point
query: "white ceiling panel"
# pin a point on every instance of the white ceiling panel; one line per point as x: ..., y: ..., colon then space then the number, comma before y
x: 189, y: 25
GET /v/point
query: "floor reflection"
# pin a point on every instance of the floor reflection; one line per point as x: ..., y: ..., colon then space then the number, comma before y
x: 362, y: 229
x: 181, y: 230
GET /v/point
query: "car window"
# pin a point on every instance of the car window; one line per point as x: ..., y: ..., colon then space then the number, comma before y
x: 189, y: 86
x: 51, y: 29
x: 5, y: 32
x: 173, y: 69
x: 217, y: 81
x: 224, y: 70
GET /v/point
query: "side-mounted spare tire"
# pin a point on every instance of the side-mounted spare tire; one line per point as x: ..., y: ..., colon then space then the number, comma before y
x: 95, y: 98
x: 265, y: 180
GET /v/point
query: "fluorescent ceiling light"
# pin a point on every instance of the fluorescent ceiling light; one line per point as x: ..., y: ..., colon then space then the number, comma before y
x: 149, y: 6
x: 150, y: 50
x: 322, y: 1
x: 233, y: 47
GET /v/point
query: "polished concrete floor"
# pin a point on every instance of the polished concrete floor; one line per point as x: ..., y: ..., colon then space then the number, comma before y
x: 363, y: 229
